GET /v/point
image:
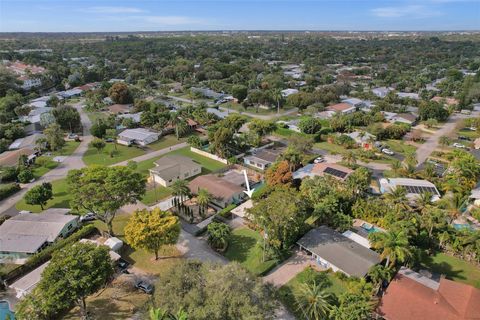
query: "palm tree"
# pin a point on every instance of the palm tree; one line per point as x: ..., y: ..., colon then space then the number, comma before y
x: 350, y: 158
x: 203, y: 198
x: 180, y: 189
x: 178, y: 123
x: 397, y: 197
x: 378, y: 274
x: 277, y: 97
x: 453, y: 203
x: 394, y: 246
x: 313, y: 301
x: 396, y: 166
x: 423, y: 201
x: 444, y: 141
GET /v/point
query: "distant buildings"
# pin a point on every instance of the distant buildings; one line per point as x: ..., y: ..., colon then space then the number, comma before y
x: 287, y: 92
x: 343, y: 108
x: 28, y: 74
x: 409, y: 95
x: 381, y: 92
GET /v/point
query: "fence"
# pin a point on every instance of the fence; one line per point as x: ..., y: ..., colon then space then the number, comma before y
x: 208, y: 155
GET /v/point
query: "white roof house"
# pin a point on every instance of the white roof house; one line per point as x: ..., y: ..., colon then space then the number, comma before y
x: 410, y: 95
x: 354, y: 102
x: 381, y: 92
x: 139, y: 136
x: 414, y: 187
x: 26, y: 142
x: 28, y: 282
x: 287, y: 92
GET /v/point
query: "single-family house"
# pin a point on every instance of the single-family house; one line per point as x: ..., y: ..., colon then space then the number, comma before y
x: 407, y: 118
x: 331, y: 249
x: 413, y: 187
x: 171, y: 168
x: 342, y: 107
x: 119, y: 108
x: 28, y: 282
x: 263, y: 158
x: 354, y: 102
x: 446, y: 101
x: 381, y: 92
x: 409, y: 95
x: 287, y: 92
x: 28, y: 233
x: 411, y: 295
x: 135, y: 117
x: 138, y: 136
x: 10, y: 158
x: 208, y: 93
x: 321, y: 169
x: 223, y: 191
x: 363, y: 139
x: 26, y: 142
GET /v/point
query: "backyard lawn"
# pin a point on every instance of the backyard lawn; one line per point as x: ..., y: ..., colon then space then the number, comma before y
x: 329, y: 280
x: 165, y: 142
x: 122, y: 153
x: 453, y: 268
x: 245, y: 247
x: 61, y: 198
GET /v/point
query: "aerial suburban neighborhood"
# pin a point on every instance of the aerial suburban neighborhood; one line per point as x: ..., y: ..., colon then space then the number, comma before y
x: 219, y: 175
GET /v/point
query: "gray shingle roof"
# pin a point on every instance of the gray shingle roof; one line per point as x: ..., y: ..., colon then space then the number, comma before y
x: 173, y: 166
x: 347, y: 255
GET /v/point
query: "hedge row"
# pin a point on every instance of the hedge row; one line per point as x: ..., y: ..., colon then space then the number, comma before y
x: 225, y: 212
x: 45, y: 255
x: 9, y: 189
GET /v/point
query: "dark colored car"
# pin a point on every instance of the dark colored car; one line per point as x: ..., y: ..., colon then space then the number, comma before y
x: 144, y: 286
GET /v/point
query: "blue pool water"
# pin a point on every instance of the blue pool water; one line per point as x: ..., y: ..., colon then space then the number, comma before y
x: 460, y: 226
x: 5, y: 310
x: 369, y: 228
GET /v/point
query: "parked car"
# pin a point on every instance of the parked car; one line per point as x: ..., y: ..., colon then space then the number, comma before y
x: 319, y: 160
x: 459, y: 145
x: 472, y: 129
x: 388, y: 151
x: 122, y: 265
x: 108, y: 140
x: 72, y: 136
x: 463, y: 138
x: 144, y: 286
x: 90, y: 216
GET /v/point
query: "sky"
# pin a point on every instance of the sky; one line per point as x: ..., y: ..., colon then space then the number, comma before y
x: 173, y: 15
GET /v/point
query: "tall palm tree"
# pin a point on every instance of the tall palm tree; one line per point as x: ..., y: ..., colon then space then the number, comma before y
x: 277, y: 97
x: 453, y: 203
x: 180, y: 189
x: 350, y: 158
x: 313, y: 301
x: 178, y: 123
x: 398, y: 197
x: 378, y: 274
x: 394, y: 246
x: 396, y: 166
x: 423, y: 201
x: 203, y: 198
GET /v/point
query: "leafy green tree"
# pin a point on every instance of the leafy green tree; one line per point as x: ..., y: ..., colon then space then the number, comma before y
x: 261, y: 127
x: 67, y: 118
x: 393, y: 246
x: 112, y: 134
x: 313, y: 301
x: 74, y: 273
x: 39, y: 195
x: 353, y: 306
x: 120, y: 93
x: 444, y: 141
x: 150, y: 230
x: 54, y: 135
x: 98, y: 144
x: 310, y: 125
x: 195, y: 141
x: 218, y: 234
x: 239, y: 92
x: 25, y: 175
x: 104, y: 190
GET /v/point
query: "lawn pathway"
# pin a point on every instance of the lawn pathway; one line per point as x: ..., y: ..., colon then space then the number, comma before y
x: 152, y: 154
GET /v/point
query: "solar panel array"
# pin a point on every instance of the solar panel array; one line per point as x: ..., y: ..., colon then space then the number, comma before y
x: 420, y: 189
x: 336, y: 173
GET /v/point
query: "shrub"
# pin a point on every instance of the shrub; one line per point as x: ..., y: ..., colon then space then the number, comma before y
x: 25, y: 176
x: 7, y: 190
x: 8, y: 174
x: 225, y: 212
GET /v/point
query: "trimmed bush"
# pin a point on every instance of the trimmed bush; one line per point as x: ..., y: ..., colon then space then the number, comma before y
x: 225, y: 213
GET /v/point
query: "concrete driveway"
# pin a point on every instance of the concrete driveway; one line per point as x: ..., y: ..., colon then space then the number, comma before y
x: 288, y: 269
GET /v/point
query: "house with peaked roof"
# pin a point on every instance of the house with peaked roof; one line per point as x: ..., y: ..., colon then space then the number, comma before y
x: 138, y: 136
x: 363, y: 139
x: 332, y: 250
x: 171, y: 168
x: 263, y: 158
x: 381, y: 92
x: 342, y: 107
x: 223, y: 190
x: 413, y: 296
x: 413, y: 187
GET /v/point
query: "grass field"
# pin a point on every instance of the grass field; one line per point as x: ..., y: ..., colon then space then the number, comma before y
x: 331, y: 283
x: 48, y: 164
x: 122, y: 153
x: 61, y: 198
x: 245, y: 247
x: 330, y: 147
x: 400, y: 147
x: 96, y: 115
x: 165, y: 142
x: 453, y: 268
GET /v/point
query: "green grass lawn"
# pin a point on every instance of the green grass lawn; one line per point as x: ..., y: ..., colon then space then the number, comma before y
x: 469, y: 133
x: 96, y: 115
x: 67, y: 149
x: 122, y: 153
x: 329, y: 280
x: 453, y: 268
x: 245, y: 247
x: 166, y: 141
x: 330, y: 147
x: 400, y: 147
x: 45, y: 163
x: 61, y: 198
x: 153, y: 196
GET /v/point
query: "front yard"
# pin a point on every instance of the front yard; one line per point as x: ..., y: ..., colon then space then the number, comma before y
x: 111, y: 155
x: 452, y: 267
x: 61, y: 198
x: 328, y: 280
x: 245, y: 247
x: 45, y: 163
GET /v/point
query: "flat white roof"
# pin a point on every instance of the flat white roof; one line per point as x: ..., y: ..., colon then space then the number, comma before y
x: 137, y: 134
x: 28, y: 282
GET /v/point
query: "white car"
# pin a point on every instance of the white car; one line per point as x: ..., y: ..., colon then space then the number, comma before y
x: 90, y: 216
x: 319, y: 160
x: 388, y: 151
x: 459, y: 145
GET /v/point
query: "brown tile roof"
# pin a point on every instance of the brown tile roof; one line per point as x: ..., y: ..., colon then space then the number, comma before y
x: 448, y: 101
x: 339, y: 107
x: 119, y: 108
x: 218, y: 187
x: 407, y: 299
x: 10, y: 158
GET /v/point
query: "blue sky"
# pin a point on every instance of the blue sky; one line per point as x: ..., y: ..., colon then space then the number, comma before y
x: 168, y: 15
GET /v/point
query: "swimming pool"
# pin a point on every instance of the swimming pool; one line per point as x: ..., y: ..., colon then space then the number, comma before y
x: 460, y: 226
x: 369, y: 228
x: 5, y: 310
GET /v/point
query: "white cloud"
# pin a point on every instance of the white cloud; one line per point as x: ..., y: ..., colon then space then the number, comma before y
x: 412, y: 11
x: 112, y: 10
x: 172, y: 20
